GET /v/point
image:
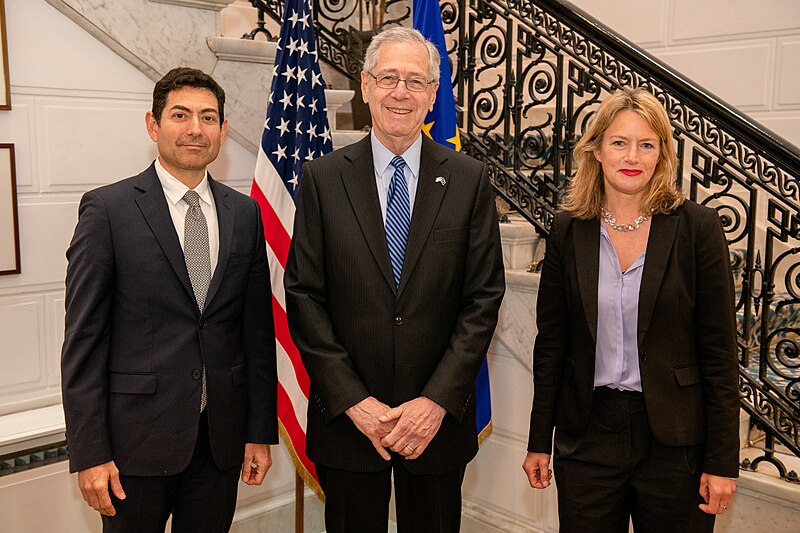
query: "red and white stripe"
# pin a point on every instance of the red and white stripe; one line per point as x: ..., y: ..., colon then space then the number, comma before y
x: 277, y: 213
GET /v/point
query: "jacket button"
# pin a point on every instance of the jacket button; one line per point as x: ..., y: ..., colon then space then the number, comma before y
x: 202, y: 324
x: 643, y: 356
x: 196, y: 373
x: 398, y: 320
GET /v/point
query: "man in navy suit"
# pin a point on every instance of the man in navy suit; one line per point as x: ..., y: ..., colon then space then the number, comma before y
x: 168, y: 366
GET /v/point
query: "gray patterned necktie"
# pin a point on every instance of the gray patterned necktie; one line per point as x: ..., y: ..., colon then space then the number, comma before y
x: 196, y: 248
x: 198, y: 258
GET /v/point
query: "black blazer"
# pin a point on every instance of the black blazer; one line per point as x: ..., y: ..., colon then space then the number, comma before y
x: 135, y: 340
x: 358, y: 335
x: 686, y: 334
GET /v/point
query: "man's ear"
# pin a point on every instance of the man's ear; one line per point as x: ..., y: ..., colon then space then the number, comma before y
x: 435, y: 90
x: 223, y: 131
x: 152, y: 125
x: 364, y: 83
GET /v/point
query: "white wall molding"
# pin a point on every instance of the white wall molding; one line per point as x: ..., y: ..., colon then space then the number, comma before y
x: 213, y: 5
x: 244, y: 50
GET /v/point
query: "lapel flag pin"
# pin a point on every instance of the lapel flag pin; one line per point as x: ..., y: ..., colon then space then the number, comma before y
x: 441, y: 181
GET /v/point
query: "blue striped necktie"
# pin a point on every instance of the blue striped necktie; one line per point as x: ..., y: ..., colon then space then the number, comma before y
x: 398, y: 218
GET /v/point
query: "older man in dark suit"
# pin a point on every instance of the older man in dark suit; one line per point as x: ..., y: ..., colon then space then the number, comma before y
x: 393, y: 284
x: 168, y: 365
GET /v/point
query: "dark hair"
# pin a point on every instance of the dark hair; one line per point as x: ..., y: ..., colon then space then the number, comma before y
x: 179, y: 78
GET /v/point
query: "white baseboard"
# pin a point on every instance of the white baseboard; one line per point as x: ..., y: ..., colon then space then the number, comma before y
x: 277, y: 516
x: 477, y: 519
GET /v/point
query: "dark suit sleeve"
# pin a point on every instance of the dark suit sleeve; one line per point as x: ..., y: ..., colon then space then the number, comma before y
x: 715, y: 323
x: 453, y: 382
x: 258, y: 330
x: 551, y: 344
x: 326, y: 360
x: 84, y: 356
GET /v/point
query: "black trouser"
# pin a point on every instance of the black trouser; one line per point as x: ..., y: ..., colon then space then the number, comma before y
x: 359, y: 502
x: 616, y: 472
x: 201, y: 499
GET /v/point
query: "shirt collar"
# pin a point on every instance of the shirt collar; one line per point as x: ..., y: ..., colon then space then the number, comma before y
x: 382, y: 156
x: 174, y: 189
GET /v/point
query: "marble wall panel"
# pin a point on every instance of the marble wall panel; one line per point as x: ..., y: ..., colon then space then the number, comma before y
x: 15, y: 127
x: 54, y: 330
x: 45, y: 229
x: 22, y: 357
x: 512, y: 392
x: 787, y: 125
x: 788, y: 72
x: 740, y: 74
x: 643, y: 22
x: 23, y: 497
x: 495, y: 480
x: 733, y: 19
x: 234, y: 166
x: 67, y: 57
x: 247, y: 87
x: 81, y: 141
x: 181, y: 32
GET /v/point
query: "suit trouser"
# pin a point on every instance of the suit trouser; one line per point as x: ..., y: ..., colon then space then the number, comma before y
x: 201, y: 499
x: 359, y: 502
x: 616, y: 472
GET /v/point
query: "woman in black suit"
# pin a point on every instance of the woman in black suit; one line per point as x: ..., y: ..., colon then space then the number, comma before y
x: 635, y: 357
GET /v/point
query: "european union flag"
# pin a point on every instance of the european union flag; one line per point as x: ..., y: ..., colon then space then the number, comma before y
x: 441, y: 126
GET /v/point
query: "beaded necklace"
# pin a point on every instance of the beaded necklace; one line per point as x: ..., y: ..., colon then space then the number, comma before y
x: 611, y: 222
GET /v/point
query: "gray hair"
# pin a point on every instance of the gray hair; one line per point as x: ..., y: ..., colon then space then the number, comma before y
x: 401, y: 34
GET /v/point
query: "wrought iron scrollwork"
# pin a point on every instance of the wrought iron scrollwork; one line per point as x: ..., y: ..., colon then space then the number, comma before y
x: 528, y: 76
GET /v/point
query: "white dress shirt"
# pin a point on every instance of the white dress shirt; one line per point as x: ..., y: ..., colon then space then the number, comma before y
x: 174, y: 190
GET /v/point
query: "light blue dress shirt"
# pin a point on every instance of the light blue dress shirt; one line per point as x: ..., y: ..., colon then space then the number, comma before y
x: 617, y: 352
x: 382, y: 159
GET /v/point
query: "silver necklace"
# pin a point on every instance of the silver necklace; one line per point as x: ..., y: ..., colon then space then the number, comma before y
x: 611, y: 222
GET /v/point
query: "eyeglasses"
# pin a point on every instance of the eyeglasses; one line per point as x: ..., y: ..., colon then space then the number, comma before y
x: 415, y: 84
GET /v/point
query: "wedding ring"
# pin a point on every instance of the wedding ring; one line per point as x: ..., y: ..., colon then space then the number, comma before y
x: 410, y: 448
x: 253, y: 466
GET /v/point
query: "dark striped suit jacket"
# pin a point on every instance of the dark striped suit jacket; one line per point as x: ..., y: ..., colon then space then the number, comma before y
x: 358, y: 335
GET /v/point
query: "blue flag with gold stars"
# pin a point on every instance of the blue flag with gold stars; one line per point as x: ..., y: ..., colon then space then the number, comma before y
x: 441, y: 126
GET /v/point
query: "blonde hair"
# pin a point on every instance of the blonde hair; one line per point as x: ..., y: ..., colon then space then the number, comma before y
x: 586, y: 195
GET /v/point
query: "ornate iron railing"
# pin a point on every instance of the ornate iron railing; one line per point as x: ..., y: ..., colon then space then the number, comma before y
x: 535, y: 71
x: 529, y: 74
x: 343, y: 27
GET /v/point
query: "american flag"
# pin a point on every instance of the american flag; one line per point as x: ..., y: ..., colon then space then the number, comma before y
x: 296, y: 130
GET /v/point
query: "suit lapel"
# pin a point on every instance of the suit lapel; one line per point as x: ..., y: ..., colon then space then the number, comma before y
x: 153, y: 205
x: 359, y: 182
x: 426, y: 206
x: 663, y: 229
x: 225, y: 219
x: 587, y: 263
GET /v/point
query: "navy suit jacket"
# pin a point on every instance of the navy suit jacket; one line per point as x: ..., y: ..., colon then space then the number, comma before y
x: 686, y: 335
x: 360, y: 336
x: 135, y: 340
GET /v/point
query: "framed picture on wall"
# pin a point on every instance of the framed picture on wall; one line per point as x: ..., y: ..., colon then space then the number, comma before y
x: 9, y: 225
x: 5, y: 84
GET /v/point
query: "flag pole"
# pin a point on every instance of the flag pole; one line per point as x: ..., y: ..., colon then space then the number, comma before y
x: 299, y: 502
